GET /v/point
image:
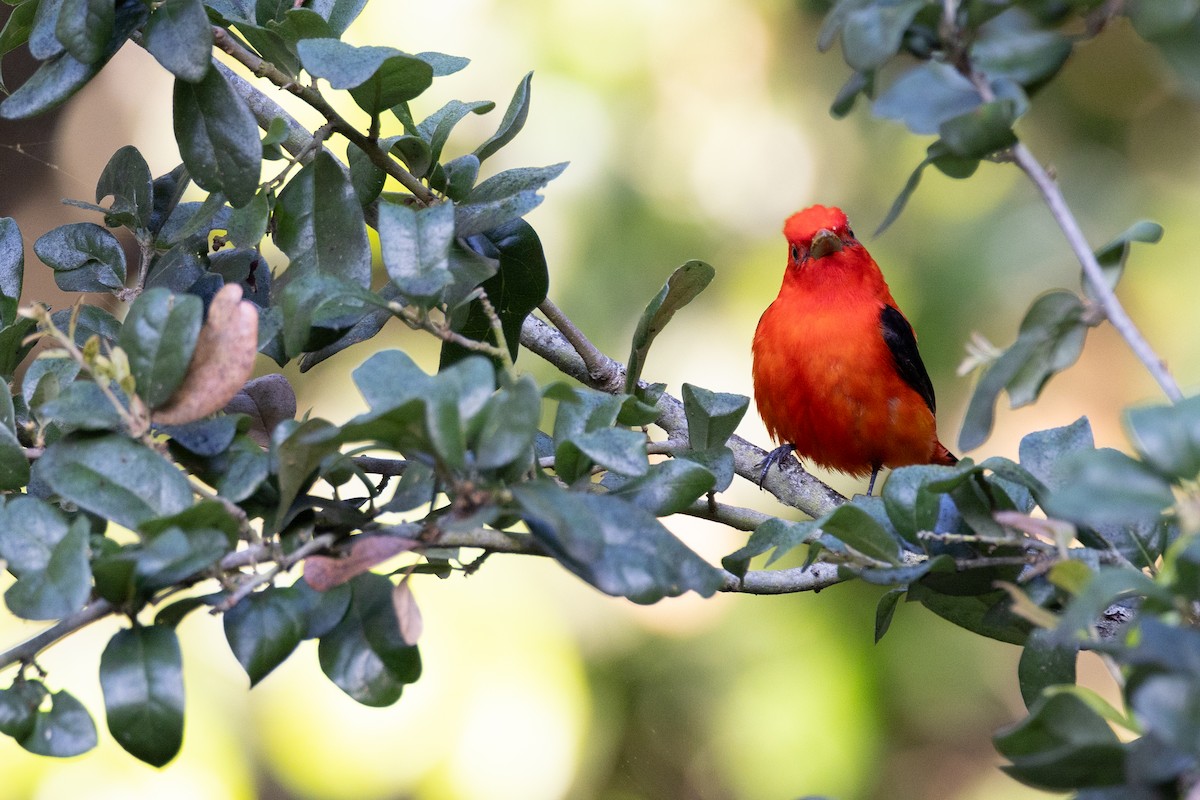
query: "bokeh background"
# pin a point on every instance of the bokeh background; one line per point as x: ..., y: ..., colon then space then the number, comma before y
x: 692, y: 128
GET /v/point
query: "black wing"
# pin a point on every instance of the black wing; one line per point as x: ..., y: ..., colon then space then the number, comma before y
x: 900, y: 340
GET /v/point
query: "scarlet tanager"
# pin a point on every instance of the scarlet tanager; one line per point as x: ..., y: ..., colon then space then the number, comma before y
x: 837, y: 375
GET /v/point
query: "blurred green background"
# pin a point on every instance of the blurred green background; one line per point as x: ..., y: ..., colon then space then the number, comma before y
x: 693, y: 129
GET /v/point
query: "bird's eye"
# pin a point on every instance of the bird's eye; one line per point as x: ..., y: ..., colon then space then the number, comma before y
x: 795, y: 253
x: 849, y: 231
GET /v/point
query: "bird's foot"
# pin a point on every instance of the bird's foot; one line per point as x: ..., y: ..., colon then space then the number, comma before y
x: 871, y: 485
x: 774, y: 457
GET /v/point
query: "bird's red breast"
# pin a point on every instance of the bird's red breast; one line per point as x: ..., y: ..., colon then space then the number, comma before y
x: 836, y: 369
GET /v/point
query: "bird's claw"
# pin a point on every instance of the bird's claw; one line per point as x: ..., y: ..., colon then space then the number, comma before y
x: 774, y: 457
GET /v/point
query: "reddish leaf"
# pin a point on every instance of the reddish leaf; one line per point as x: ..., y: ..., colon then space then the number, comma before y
x: 325, y: 572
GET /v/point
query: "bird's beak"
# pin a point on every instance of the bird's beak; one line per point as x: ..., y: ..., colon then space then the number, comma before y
x: 823, y: 243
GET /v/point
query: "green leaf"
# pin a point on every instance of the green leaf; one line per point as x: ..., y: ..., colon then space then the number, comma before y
x: 617, y: 547
x: 84, y: 28
x: 377, y: 77
x: 1050, y: 340
x: 141, y: 673
x: 926, y: 96
x: 368, y: 179
x: 49, y: 558
x: 115, y: 477
x: 508, y: 424
x: 14, y: 464
x: 1154, y: 18
x: 456, y: 179
x: 1063, y: 744
x: 515, y: 290
x: 1042, y: 452
x: 856, y: 528
x: 12, y: 269
x: 1168, y: 437
x: 684, y: 285
x: 84, y: 256
x: 64, y: 731
x: 938, y: 154
x: 717, y: 460
x: 1011, y: 46
x: 780, y: 535
x: 264, y: 628
x: 1105, y: 587
x: 436, y: 128
x: 316, y: 307
x: 617, y: 449
x: 179, y: 36
x: 911, y: 504
x: 248, y: 224
x: 1103, y: 487
x: 504, y: 197
x: 871, y: 35
x: 512, y: 122
x: 365, y: 654
x: 298, y: 450
x: 18, y: 708
x: 80, y: 405
x: 712, y: 417
x: 415, y: 245
x: 17, y: 29
x: 984, y: 614
x: 319, y: 224
x: 218, y: 137
x: 886, y: 609
x: 981, y: 131
x: 339, y: 13
x: 159, y: 337
x: 668, y: 487
x: 43, y: 41
x: 1113, y: 255
x: 1045, y: 662
x: 126, y: 178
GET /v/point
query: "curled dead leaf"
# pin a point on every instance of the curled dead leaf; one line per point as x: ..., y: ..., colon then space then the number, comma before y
x: 412, y: 625
x: 222, y: 362
x: 324, y: 572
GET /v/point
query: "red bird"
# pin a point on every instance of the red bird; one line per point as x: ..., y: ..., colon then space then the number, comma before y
x: 837, y: 375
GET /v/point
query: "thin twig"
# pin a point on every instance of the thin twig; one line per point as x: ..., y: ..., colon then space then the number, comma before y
x: 247, y: 586
x: 596, y: 362
x: 420, y: 321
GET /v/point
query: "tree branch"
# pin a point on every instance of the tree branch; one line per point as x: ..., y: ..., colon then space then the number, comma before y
x: 790, y: 483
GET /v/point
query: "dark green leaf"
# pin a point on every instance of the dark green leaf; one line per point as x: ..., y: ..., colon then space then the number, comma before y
x: 248, y: 224
x: 364, y: 654
x: 1113, y: 255
x: 684, y: 285
x: 179, y: 36
x: 84, y: 28
x: 668, y: 488
x: 159, y: 336
x: 115, y: 477
x: 1042, y: 452
x: 456, y: 179
x: 12, y: 269
x: 780, y: 535
x: 847, y: 96
x: 316, y: 307
x: 377, y: 77
x: 319, y: 224
x: 17, y: 29
x: 1155, y: 18
x: 1063, y: 744
x: 717, y: 460
x: 264, y: 628
x: 436, y: 128
x: 712, y: 417
x: 415, y: 245
x: 65, y: 730
x: 1045, y: 662
x: 298, y: 450
x: 856, y: 528
x: 911, y: 504
x: 871, y: 35
x: 1108, y: 487
x: 126, y: 178
x: 1105, y: 587
x: 617, y: 547
x: 218, y: 137
x: 1010, y: 46
x: 14, y: 464
x: 518, y: 287
x: 141, y: 673
x: 984, y: 614
x: 926, y: 96
x: 368, y: 179
x: 1050, y: 340
x: 511, y: 124
x: 886, y: 609
x: 1168, y: 437
x: 81, y: 405
x: 509, y: 422
x: 503, y: 198
x: 620, y: 450
x: 84, y: 256
x: 49, y: 558
x: 981, y: 131
x: 18, y: 708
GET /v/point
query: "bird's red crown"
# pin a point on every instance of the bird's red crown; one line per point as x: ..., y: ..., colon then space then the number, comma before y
x: 801, y: 226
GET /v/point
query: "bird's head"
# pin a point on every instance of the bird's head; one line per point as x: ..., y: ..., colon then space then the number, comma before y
x: 816, y: 232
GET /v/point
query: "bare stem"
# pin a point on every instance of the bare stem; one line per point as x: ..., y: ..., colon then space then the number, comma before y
x: 596, y: 362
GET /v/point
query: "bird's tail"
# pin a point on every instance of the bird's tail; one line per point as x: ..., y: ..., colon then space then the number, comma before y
x: 943, y: 456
